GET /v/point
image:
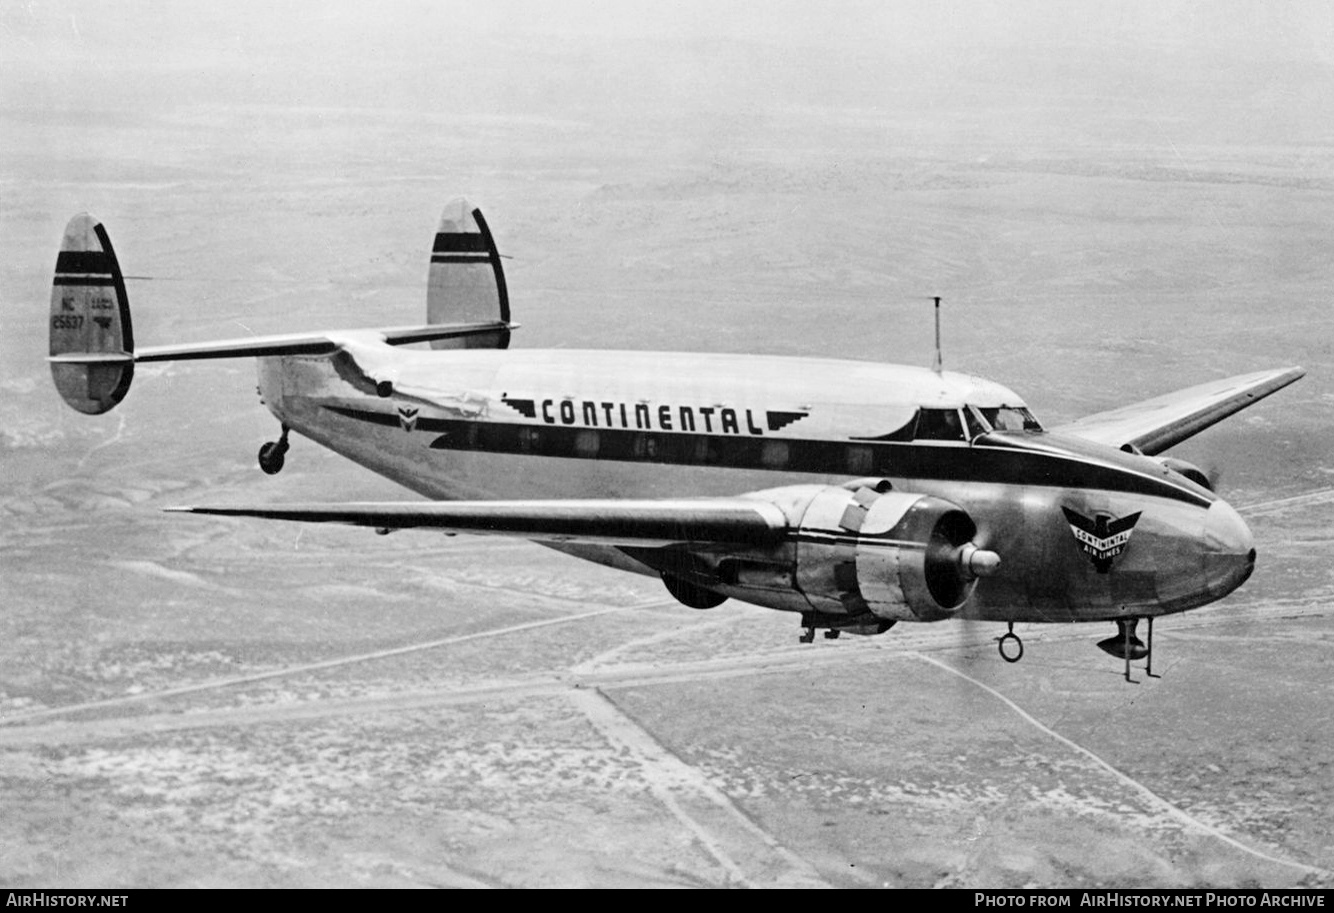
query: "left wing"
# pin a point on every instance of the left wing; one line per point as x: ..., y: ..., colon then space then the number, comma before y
x: 1156, y: 424
x: 651, y: 523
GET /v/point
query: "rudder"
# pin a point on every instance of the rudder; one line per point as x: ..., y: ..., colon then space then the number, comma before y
x: 92, y: 340
x: 466, y: 283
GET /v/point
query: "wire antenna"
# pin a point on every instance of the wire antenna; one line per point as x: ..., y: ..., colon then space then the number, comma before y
x: 939, y: 364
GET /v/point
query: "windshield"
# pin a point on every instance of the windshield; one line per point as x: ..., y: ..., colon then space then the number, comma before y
x: 1011, y: 418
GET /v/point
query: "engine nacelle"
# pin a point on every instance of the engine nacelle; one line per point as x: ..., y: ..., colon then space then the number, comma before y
x: 1189, y: 470
x: 859, y: 553
x: 899, y: 556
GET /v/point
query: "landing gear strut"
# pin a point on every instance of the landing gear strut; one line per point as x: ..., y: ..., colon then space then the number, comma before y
x: 1125, y: 645
x: 835, y: 626
x: 1016, y: 651
x: 271, y: 454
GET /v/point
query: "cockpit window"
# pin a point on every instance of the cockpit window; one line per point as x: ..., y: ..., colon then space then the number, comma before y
x: 1011, y: 418
x: 976, y: 426
x: 939, y: 425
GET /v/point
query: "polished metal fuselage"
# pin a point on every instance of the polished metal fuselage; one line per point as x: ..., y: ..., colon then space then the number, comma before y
x: 517, y: 425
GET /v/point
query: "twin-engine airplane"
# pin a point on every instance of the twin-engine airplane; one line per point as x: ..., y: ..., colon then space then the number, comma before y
x: 857, y: 495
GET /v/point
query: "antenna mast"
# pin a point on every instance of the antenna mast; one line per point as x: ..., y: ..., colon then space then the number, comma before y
x: 939, y: 365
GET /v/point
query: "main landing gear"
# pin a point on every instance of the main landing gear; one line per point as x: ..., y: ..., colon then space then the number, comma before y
x: 271, y: 454
x: 835, y: 625
x: 1125, y: 645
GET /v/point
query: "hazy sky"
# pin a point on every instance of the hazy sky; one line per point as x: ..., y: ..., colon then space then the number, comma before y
x: 517, y: 52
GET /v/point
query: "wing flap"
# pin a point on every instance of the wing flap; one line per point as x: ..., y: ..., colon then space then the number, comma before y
x: 615, y: 522
x: 1154, y: 425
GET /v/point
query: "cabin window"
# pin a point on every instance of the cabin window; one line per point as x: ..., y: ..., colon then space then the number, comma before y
x: 939, y: 425
x: 586, y: 444
x: 1011, y: 418
x: 860, y: 461
x: 774, y: 455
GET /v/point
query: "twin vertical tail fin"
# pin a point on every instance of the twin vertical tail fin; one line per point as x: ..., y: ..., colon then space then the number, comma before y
x: 92, y: 341
x: 466, y: 282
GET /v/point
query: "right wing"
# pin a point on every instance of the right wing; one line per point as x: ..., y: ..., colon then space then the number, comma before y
x: 646, y: 523
x: 1156, y: 424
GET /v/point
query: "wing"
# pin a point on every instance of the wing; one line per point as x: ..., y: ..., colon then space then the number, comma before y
x: 609, y: 522
x: 1156, y: 424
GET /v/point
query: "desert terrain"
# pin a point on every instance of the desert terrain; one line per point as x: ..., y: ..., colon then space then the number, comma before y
x: 191, y: 701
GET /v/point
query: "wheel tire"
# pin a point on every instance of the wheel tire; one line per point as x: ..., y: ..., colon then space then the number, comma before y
x: 271, y: 458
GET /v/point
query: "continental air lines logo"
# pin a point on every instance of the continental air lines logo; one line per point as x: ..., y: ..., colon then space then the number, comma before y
x: 1102, y: 538
x: 641, y: 416
x: 407, y: 417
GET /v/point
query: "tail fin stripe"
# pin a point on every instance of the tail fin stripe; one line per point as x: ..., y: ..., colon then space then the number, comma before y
x: 451, y: 242
x: 460, y: 258
x: 86, y: 279
x: 83, y: 261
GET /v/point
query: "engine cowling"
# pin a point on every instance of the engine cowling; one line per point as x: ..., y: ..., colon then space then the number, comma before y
x: 1189, y: 470
x: 861, y: 551
x: 897, y: 555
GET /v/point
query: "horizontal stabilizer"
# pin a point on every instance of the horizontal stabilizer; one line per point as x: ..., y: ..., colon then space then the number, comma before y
x: 615, y: 522
x: 314, y: 343
x: 1156, y: 424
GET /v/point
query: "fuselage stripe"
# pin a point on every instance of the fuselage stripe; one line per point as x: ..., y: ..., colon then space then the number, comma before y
x: 955, y: 463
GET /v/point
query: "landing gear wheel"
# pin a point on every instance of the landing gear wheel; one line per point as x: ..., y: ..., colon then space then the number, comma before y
x: 807, y: 636
x: 271, y: 457
x: 1017, y: 648
x: 271, y: 454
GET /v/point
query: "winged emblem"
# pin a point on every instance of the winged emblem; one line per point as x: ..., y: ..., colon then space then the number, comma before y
x: 1103, y: 537
x: 407, y: 417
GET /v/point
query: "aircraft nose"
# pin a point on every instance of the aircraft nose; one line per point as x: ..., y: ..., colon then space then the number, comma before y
x: 1229, y: 549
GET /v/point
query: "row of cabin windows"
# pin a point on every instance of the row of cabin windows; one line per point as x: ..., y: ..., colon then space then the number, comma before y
x: 663, y: 447
x: 952, y: 425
